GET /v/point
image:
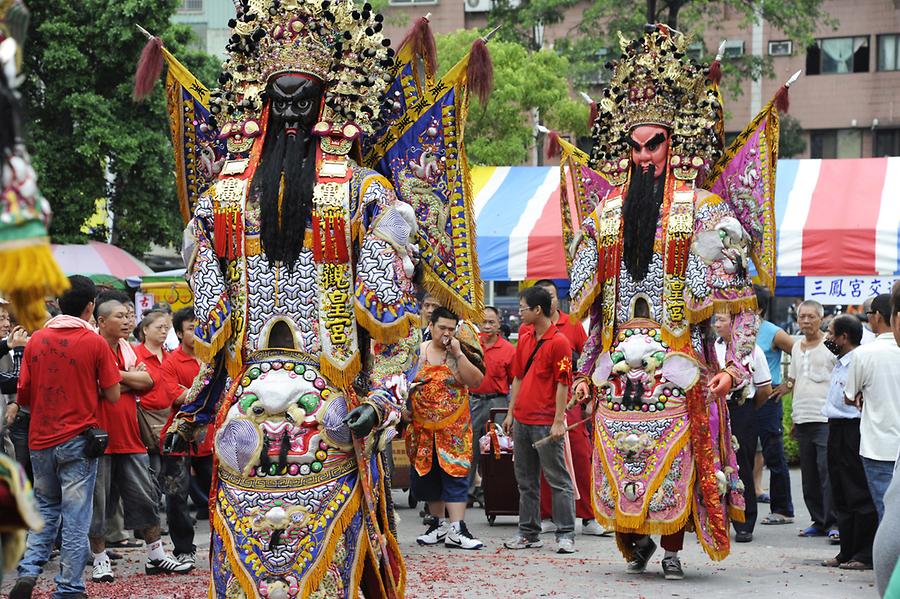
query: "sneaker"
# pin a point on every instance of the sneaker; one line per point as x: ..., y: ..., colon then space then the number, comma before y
x: 564, y: 545
x: 548, y: 526
x: 520, y: 542
x: 671, y: 567
x: 187, y: 558
x: 166, y: 565
x: 435, y: 533
x: 593, y: 528
x: 460, y: 537
x: 640, y: 557
x: 103, y: 571
x: 23, y: 588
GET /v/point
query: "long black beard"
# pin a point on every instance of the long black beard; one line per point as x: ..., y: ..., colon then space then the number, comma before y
x: 293, y: 157
x: 641, y: 217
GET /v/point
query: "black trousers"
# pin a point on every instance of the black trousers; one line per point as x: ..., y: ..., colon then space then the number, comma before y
x: 744, y: 427
x: 177, y: 480
x: 853, y: 506
x: 812, y: 438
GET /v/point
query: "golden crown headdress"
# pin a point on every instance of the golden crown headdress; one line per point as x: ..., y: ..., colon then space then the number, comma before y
x: 656, y: 83
x: 332, y: 40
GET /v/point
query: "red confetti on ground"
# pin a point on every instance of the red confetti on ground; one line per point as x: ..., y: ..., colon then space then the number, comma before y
x: 141, y: 586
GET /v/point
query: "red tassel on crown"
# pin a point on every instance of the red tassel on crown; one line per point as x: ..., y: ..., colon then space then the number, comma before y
x: 421, y: 39
x: 553, y: 147
x: 148, y: 69
x: 480, y: 71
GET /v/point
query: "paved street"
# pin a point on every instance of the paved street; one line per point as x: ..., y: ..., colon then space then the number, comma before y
x: 776, y: 564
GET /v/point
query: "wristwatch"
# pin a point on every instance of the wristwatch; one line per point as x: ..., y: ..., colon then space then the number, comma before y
x: 790, y: 384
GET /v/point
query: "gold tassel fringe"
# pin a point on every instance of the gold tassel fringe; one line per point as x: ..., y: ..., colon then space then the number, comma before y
x: 28, y: 275
x: 341, y: 377
x: 384, y: 333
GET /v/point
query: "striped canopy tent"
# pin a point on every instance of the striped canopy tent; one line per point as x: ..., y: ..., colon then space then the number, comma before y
x: 835, y: 218
x: 95, y: 258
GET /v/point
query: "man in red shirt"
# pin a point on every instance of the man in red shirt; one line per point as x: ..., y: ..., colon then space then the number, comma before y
x: 126, y: 458
x: 580, y: 436
x: 63, y: 367
x: 540, y: 390
x: 179, y: 371
x: 494, y: 389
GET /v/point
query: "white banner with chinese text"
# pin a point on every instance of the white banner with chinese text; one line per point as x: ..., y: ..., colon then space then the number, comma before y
x: 849, y: 290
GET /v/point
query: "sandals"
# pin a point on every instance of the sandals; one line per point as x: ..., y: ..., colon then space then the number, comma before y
x: 855, y: 565
x: 811, y: 531
x: 834, y: 536
x: 777, y: 519
x: 126, y: 544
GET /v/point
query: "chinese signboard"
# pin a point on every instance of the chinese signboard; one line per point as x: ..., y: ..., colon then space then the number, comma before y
x: 850, y: 290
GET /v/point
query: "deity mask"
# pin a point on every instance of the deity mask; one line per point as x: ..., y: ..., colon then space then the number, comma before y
x: 649, y: 146
x: 283, y: 182
x: 294, y: 102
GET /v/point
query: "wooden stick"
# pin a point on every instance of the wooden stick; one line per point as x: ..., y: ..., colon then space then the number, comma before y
x: 545, y: 440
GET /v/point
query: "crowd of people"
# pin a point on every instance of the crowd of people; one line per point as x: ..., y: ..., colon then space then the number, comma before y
x: 88, y: 397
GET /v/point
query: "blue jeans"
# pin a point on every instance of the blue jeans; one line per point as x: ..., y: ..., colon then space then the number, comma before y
x: 878, y: 474
x: 64, y: 489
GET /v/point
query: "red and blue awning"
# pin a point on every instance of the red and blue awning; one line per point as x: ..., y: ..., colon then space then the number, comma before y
x: 835, y: 217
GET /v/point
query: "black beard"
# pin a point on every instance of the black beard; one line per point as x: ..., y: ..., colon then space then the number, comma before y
x: 641, y: 217
x: 294, y: 157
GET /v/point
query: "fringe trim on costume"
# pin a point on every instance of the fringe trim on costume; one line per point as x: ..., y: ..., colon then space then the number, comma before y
x: 580, y: 311
x: 450, y: 298
x: 736, y: 514
x: 237, y: 568
x: 735, y: 306
x: 28, y: 274
x: 341, y: 377
x: 381, y: 332
x: 316, y: 573
x: 207, y: 351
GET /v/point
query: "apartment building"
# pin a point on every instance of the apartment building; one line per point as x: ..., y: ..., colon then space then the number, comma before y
x: 848, y: 102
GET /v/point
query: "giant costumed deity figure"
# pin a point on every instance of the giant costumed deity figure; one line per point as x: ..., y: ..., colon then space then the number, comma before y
x: 297, y: 256
x: 656, y: 257
x: 302, y: 264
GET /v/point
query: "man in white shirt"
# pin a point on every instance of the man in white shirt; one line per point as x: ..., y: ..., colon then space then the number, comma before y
x: 868, y: 335
x: 856, y: 515
x: 873, y: 384
x: 742, y: 404
x: 808, y: 377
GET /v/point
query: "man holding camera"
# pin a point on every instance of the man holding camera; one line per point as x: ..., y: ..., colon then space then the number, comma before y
x: 64, y: 365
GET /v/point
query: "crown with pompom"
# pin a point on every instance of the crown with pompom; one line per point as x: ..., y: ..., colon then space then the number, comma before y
x: 334, y: 41
x: 656, y: 83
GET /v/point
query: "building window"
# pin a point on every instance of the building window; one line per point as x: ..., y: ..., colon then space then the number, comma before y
x: 887, y: 142
x: 696, y: 50
x: 191, y: 6
x: 838, y: 55
x: 733, y: 48
x: 781, y: 48
x: 889, y: 52
x: 835, y: 143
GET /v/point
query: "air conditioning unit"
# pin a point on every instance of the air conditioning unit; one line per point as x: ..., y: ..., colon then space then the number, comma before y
x: 781, y: 48
x: 479, y: 5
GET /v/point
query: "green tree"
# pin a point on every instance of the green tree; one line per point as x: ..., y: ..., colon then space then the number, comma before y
x: 89, y: 140
x: 501, y: 132
x: 791, y: 137
x: 595, y: 38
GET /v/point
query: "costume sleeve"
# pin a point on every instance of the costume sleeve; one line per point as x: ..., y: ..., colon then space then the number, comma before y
x: 9, y: 378
x: 718, y: 279
x: 207, y: 281
x: 584, y: 273
x: 385, y: 300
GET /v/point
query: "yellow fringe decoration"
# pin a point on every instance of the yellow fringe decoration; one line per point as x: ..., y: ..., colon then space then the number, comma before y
x: 237, y: 568
x: 341, y: 377
x: 28, y: 274
x: 384, y: 333
x: 207, y: 351
x: 579, y: 311
x: 735, y: 306
x: 314, y: 575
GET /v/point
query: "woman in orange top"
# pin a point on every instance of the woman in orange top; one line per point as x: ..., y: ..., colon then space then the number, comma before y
x: 439, y: 441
